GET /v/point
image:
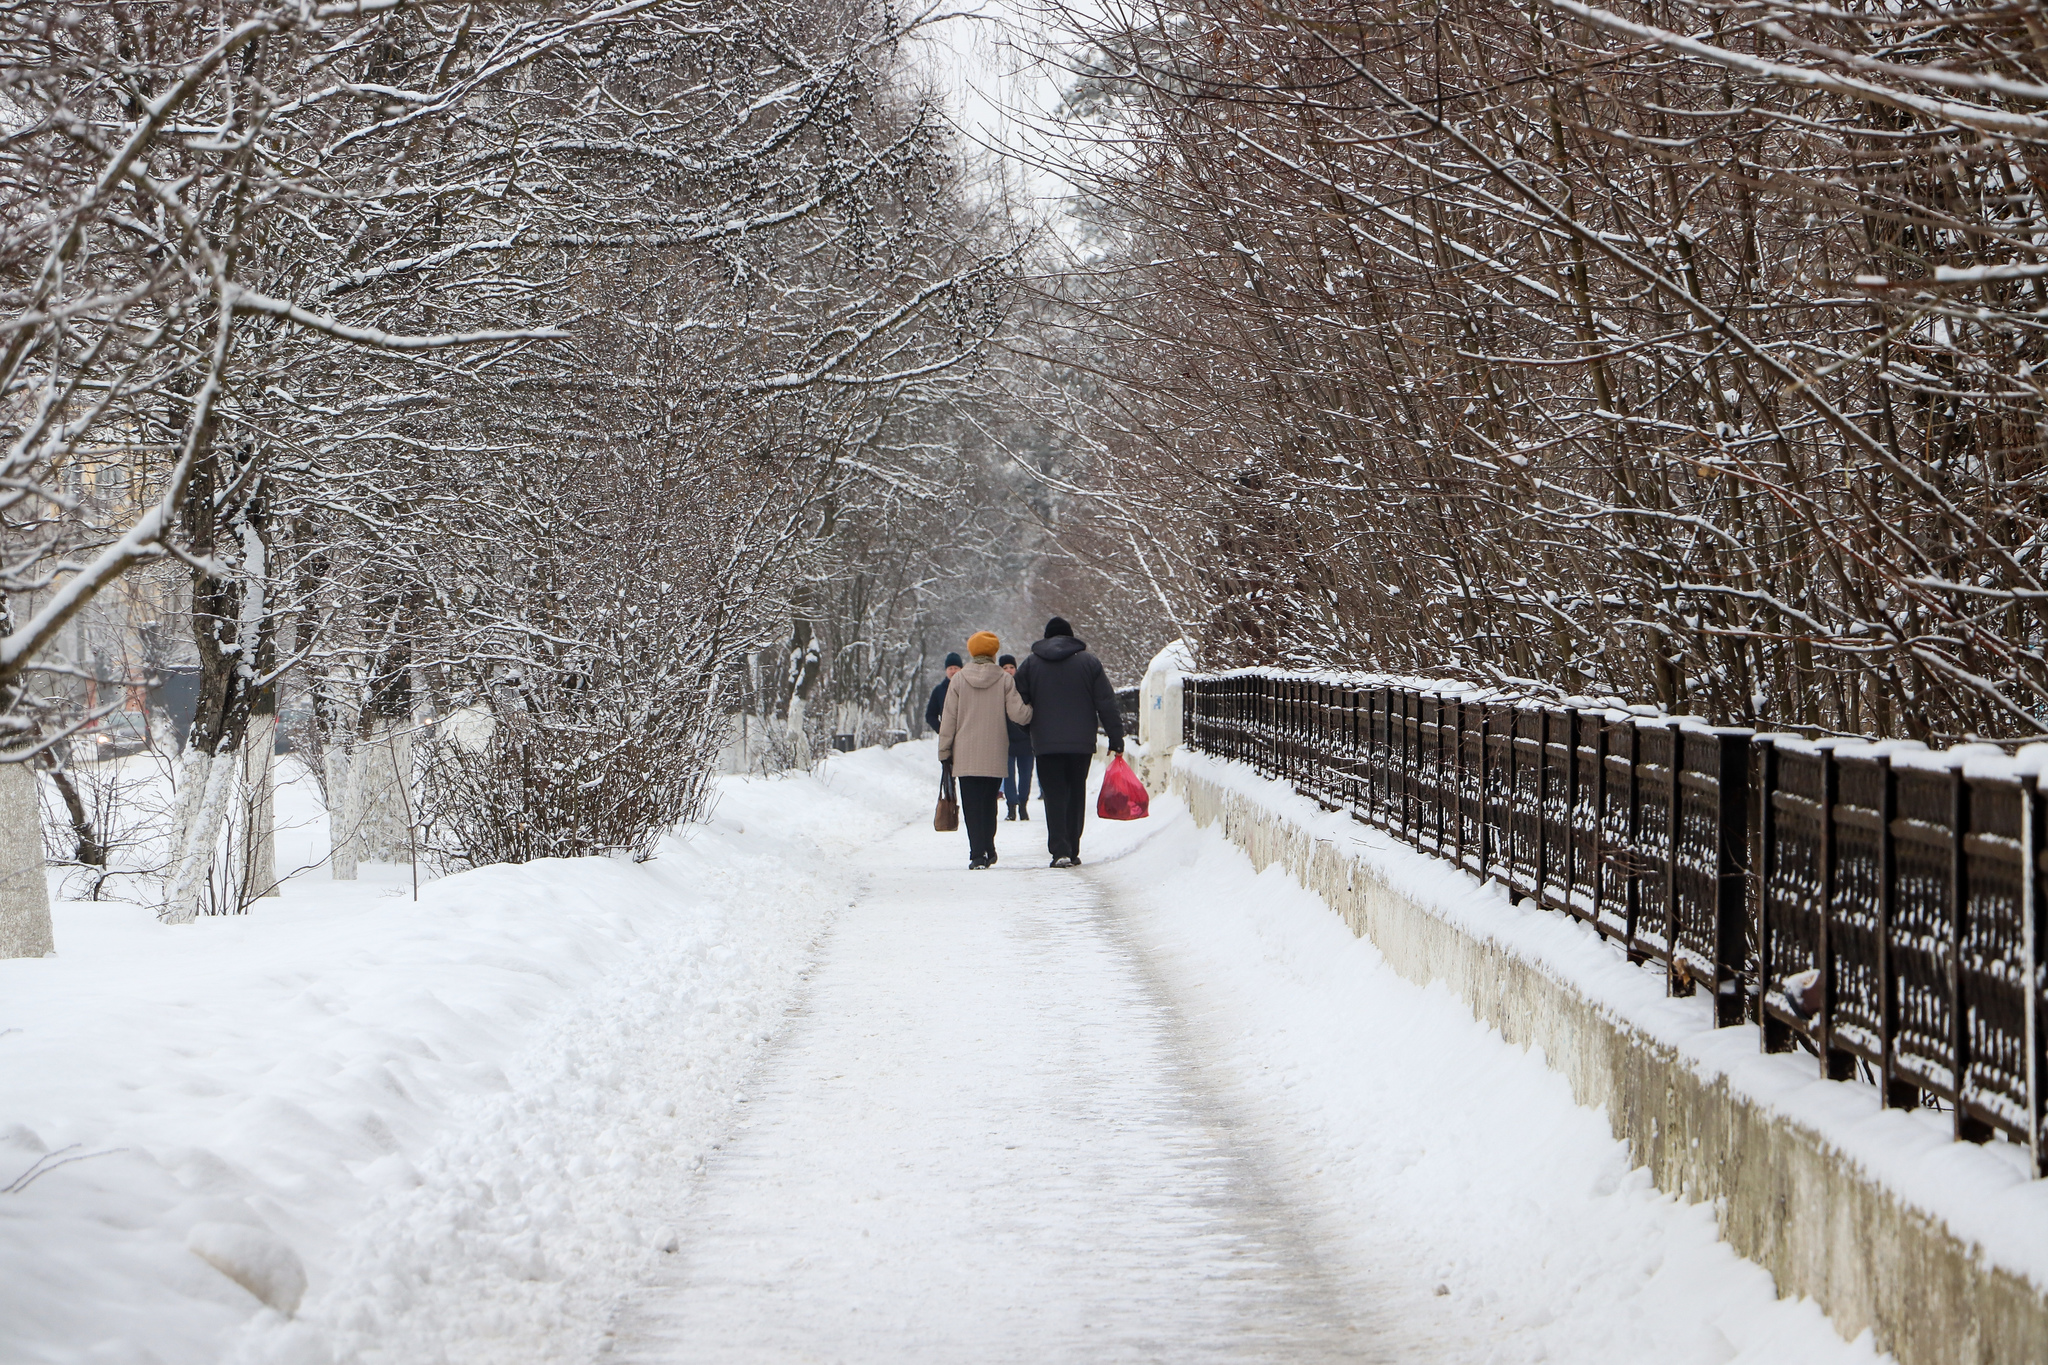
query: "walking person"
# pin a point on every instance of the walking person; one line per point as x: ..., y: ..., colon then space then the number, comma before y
x: 974, y: 737
x: 1017, y: 777
x: 1068, y: 693
x: 937, y: 703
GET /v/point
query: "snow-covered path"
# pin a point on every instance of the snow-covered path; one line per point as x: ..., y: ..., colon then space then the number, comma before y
x: 1165, y: 1108
x: 983, y: 1141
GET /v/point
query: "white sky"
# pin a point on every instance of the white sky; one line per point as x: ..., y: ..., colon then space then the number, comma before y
x: 987, y: 62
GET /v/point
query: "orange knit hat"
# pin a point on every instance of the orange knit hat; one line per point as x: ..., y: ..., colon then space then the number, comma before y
x: 983, y: 642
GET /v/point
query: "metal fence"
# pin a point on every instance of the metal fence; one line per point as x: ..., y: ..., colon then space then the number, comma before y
x: 1127, y: 705
x: 1887, y: 918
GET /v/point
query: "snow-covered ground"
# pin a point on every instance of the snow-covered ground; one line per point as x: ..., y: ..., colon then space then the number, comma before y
x: 1487, y: 1216
x: 805, y: 1088
x: 463, y: 1119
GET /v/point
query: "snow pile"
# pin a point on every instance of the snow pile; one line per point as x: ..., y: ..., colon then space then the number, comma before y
x: 354, y: 1127
x: 1984, y: 1194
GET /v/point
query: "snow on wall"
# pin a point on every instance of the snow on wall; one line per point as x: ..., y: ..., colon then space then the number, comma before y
x: 1940, y: 1247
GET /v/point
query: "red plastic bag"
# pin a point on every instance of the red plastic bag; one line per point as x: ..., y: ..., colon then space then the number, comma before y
x: 1123, y: 796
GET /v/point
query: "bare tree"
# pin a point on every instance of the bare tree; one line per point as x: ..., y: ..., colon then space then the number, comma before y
x: 1678, y: 351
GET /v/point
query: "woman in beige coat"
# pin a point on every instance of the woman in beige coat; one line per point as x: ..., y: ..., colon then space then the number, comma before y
x: 975, y: 740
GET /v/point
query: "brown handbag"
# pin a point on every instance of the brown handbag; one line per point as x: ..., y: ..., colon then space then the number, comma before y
x: 946, y: 818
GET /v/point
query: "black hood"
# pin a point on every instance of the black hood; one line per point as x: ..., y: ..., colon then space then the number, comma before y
x: 1056, y: 648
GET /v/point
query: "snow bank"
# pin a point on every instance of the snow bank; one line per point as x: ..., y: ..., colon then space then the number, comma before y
x: 350, y: 1126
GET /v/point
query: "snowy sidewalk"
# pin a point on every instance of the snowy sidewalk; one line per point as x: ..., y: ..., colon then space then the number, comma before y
x: 982, y: 1141
x: 1167, y: 1109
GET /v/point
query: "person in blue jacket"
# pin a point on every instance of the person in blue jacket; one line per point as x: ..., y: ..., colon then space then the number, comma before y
x: 1069, y: 694
x: 1017, y: 785
x: 936, y: 707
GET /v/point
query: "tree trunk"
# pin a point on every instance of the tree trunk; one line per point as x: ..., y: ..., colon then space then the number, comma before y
x: 24, y: 890
x: 85, y: 839
x: 257, y: 808
x: 215, y: 846
x: 344, y: 811
x: 204, y: 788
x: 380, y: 766
x: 382, y: 783
x: 804, y: 667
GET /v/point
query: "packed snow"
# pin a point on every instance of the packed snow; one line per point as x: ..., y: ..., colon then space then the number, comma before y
x: 803, y: 1087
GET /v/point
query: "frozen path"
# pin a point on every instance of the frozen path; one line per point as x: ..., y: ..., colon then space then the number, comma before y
x: 982, y: 1141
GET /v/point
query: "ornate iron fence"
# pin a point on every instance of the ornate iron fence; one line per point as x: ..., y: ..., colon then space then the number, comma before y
x: 1882, y: 912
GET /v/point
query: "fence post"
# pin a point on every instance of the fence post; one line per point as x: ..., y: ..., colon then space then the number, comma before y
x: 1632, y: 910
x: 1485, y: 767
x: 1571, y: 807
x: 1277, y: 731
x: 1292, y: 694
x: 1407, y: 767
x: 1442, y: 773
x: 1731, y: 839
x: 1774, y: 1034
x: 1675, y: 828
x: 1319, y: 757
x: 1513, y: 788
x: 1383, y: 745
x: 1967, y: 1129
x: 1834, y: 1066
x: 1893, y: 1092
x: 1458, y: 780
x: 1297, y: 729
x: 1240, y: 711
x: 1270, y: 729
x: 1333, y: 739
x: 1250, y: 704
x: 2030, y: 955
x: 1599, y: 818
x: 1542, y: 877
x: 1245, y: 705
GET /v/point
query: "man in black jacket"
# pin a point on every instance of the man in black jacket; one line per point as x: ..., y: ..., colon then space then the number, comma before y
x: 936, y: 707
x: 1069, y: 693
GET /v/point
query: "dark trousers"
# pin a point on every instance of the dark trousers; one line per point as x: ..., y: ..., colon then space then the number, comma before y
x: 1017, y: 786
x: 978, y: 813
x: 1063, y: 779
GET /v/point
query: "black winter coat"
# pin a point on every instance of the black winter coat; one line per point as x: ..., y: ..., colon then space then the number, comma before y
x: 936, y: 707
x: 1069, y: 692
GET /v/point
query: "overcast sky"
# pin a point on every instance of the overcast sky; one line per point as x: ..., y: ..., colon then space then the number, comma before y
x: 988, y: 64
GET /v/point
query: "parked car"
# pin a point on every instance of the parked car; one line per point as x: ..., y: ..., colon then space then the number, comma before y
x: 117, y: 735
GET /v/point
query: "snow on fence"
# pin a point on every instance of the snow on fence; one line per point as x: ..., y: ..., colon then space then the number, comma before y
x: 1877, y: 904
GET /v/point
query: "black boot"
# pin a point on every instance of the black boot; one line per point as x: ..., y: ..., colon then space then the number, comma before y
x: 1013, y: 812
x: 1024, y: 811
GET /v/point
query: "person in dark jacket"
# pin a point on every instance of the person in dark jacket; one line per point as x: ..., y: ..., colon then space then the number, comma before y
x: 1017, y: 785
x: 936, y: 707
x: 1069, y: 693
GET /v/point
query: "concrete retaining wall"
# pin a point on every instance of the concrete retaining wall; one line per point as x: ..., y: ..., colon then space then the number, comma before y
x: 1783, y: 1198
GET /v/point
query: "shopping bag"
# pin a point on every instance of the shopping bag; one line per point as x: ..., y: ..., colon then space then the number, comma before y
x: 946, y: 818
x: 1123, y: 796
